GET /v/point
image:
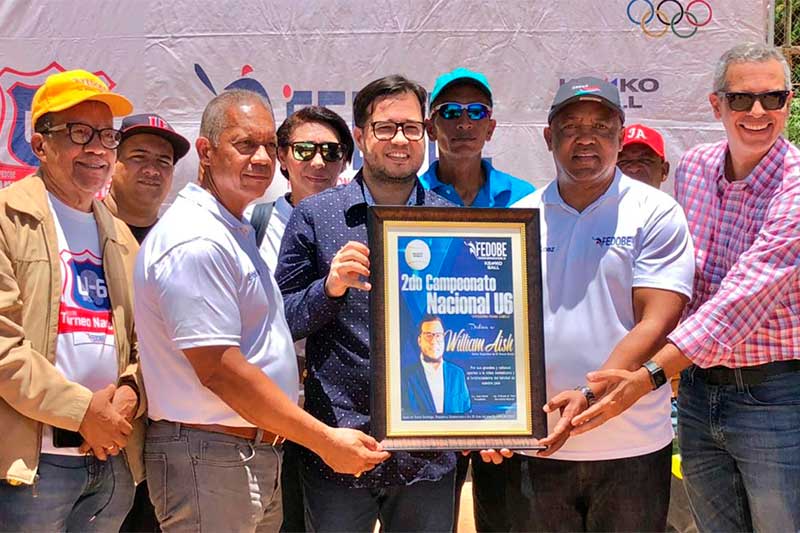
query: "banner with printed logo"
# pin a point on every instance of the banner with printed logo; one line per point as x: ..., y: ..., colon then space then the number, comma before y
x: 171, y: 57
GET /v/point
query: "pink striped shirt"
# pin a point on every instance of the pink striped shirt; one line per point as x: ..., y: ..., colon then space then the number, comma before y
x: 746, y: 305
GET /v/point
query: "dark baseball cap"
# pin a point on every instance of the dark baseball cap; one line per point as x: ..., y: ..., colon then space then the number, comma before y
x: 155, y: 125
x: 586, y: 89
x: 461, y: 75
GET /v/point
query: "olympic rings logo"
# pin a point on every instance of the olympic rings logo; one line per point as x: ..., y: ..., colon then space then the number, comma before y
x: 670, y: 18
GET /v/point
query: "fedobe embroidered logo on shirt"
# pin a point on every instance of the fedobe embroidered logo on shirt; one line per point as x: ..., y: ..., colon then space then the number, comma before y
x: 85, y: 306
x: 615, y: 240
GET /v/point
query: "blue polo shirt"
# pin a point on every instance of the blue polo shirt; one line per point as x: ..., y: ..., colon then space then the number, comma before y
x: 499, y: 189
x: 337, y: 387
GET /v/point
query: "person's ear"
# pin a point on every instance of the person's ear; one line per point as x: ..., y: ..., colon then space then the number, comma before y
x: 358, y: 137
x: 716, y: 105
x: 37, y: 146
x: 665, y: 170
x: 283, y: 154
x: 430, y: 129
x: 548, y: 138
x: 203, y: 147
x: 490, y: 130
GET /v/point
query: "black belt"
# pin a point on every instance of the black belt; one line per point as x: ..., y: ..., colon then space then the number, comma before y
x: 749, y: 375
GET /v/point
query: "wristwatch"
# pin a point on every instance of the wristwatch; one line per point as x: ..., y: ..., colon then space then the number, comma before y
x: 591, y: 399
x: 657, y: 376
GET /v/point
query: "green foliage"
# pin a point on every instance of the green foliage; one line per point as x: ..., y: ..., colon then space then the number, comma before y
x: 793, y: 37
x: 780, y: 11
x: 793, y: 124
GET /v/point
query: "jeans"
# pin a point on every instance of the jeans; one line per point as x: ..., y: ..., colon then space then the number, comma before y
x: 421, y: 506
x: 630, y: 494
x: 203, y: 481
x: 740, y: 447
x: 70, y: 494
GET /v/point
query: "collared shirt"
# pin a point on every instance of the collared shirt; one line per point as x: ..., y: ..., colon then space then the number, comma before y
x: 200, y: 281
x: 271, y: 245
x: 337, y: 388
x: 632, y: 236
x: 434, y: 375
x: 746, y: 306
x: 499, y: 189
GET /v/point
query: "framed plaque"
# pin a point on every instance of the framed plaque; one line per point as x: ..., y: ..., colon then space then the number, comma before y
x: 457, y: 350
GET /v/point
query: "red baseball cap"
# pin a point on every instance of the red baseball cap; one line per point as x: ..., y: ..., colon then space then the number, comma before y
x: 639, y: 134
x: 155, y: 125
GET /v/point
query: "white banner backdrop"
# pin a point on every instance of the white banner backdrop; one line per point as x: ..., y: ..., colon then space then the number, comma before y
x: 171, y: 57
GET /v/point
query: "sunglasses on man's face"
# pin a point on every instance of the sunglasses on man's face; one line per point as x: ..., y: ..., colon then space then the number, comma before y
x: 770, y: 101
x: 306, y: 151
x: 454, y: 110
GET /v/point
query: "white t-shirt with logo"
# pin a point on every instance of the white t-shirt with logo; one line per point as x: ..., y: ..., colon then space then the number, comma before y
x: 632, y: 236
x: 85, y: 348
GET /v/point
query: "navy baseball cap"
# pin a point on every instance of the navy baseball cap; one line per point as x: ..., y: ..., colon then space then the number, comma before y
x: 461, y: 75
x: 586, y: 89
x: 155, y: 125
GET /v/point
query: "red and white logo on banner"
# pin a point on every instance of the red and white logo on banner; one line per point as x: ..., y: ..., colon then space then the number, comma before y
x: 16, y: 96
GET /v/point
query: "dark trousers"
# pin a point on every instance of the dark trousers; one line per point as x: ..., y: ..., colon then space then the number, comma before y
x: 142, y: 516
x: 630, y: 494
x: 489, y: 484
x: 421, y: 506
x: 292, y: 490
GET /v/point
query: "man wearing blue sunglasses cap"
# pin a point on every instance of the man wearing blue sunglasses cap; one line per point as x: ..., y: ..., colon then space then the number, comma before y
x: 461, y: 123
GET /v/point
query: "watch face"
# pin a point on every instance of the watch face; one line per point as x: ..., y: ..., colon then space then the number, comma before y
x: 657, y: 375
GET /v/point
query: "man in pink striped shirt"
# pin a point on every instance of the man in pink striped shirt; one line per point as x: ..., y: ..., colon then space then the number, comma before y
x: 739, y: 342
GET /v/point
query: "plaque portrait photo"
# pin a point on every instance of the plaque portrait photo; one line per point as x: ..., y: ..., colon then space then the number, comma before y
x: 457, y: 345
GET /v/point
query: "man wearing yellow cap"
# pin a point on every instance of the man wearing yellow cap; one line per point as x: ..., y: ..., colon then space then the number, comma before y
x: 69, y: 390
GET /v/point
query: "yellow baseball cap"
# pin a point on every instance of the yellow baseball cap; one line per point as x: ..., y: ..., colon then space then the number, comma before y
x: 69, y: 88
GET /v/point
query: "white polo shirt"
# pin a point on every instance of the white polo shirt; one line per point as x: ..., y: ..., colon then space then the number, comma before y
x: 632, y: 236
x: 200, y: 281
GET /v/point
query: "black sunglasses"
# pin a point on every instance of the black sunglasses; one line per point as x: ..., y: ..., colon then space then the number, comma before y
x: 770, y: 100
x: 307, y: 150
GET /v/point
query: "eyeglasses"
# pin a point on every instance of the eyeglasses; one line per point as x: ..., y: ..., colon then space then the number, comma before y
x: 454, y: 110
x: 306, y: 151
x: 385, y: 130
x: 83, y: 134
x: 431, y: 335
x: 770, y: 100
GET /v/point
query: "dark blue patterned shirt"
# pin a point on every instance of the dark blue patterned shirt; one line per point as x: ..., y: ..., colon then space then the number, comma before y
x: 337, y: 387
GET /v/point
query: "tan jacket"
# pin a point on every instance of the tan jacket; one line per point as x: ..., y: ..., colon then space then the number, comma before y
x: 32, y: 391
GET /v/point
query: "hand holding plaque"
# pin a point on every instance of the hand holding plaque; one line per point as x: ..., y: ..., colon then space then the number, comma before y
x: 349, y: 268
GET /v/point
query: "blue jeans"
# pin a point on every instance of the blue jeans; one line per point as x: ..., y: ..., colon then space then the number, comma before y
x: 421, y: 506
x: 70, y: 494
x: 740, y: 447
x: 203, y: 481
x: 629, y: 494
